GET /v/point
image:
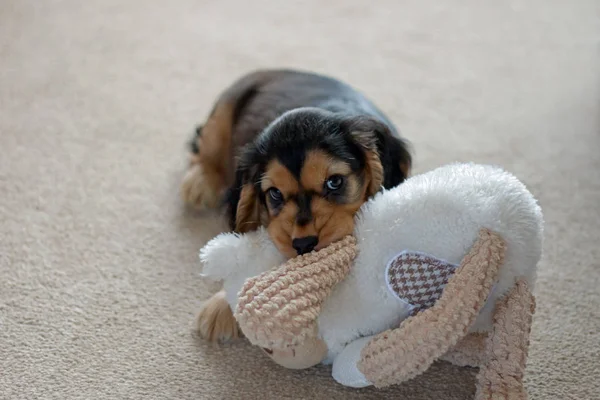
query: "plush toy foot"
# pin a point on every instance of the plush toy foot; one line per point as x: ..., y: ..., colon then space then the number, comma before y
x: 501, y: 377
x: 215, y: 321
x: 345, y: 366
x: 308, y: 354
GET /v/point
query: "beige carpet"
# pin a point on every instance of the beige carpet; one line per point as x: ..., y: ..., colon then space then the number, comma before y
x: 99, y: 279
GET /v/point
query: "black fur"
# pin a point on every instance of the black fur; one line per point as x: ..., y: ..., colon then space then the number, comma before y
x: 304, y: 212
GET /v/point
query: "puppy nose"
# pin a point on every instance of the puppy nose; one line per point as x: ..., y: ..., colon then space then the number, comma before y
x: 305, y: 244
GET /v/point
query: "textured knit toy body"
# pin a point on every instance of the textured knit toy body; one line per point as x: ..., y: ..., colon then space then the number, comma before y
x: 479, y: 222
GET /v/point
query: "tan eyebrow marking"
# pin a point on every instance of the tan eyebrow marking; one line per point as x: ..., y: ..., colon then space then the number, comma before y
x: 277, y: 175
x: 318, y: 166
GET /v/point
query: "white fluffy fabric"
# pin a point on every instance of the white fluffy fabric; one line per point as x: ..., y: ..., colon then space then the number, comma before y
x: 233, y: 258
x: 438, y: 213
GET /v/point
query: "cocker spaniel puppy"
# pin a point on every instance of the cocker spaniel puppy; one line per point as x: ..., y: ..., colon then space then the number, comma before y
x: 296, y: 153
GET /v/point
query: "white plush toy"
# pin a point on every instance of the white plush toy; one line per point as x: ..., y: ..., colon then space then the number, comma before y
x: 474, y: 231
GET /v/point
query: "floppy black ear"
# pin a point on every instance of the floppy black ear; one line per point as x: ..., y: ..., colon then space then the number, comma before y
x: 387, y: 155
x: 395, y: 158
x: 243, y: 199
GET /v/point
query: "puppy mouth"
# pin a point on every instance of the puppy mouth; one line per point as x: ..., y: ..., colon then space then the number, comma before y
x: 291, y: 252
x: 326, y: 239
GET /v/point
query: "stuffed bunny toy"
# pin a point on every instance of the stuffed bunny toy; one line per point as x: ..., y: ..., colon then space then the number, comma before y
x: 440, y: 267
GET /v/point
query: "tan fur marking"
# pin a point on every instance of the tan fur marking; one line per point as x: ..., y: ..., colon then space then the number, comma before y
x: 374, y: 172
x: 208, y: 175
x: 317, y: 167
x: 303, y: 231
x: 333, y: 221
x: 405, y: 168
x: 248, y: 216
x: 216, y: 138
x: 280, y: 229
x: 277, y: 175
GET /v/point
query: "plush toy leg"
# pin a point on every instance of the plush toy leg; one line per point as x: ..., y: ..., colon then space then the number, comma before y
x: 501, y: 376
x: 403, y: 353
x: 469, y: 351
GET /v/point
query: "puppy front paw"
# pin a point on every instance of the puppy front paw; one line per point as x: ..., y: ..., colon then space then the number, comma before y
x: 216, y: 322
x: 198, y: 189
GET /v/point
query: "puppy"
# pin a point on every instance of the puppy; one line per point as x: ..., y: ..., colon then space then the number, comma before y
x: 295, y: 152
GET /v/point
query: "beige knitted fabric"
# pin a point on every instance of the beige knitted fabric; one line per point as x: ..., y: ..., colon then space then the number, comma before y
x: 501, y: 376
x: 469, y: 351
x: 403, y: 353
x: 279, y: 308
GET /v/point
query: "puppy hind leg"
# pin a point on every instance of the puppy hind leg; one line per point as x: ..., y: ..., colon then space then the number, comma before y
x: 205, y: 180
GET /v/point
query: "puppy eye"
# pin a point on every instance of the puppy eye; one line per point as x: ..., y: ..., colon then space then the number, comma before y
x: 275, y: 195
x: 334, y: 182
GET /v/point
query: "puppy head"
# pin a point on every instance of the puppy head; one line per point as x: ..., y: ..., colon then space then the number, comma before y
x: 308, y: 173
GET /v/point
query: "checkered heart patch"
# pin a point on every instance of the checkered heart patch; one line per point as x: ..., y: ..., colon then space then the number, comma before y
x: 418, y: 279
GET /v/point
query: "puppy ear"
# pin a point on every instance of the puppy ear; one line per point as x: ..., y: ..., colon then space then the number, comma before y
x: 244, y: 204
x: 388, y: 160
x: 248, y: 210
x: 375, y: 171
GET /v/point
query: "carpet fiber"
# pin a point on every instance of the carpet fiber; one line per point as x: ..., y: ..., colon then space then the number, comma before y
x: 99, y: 276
